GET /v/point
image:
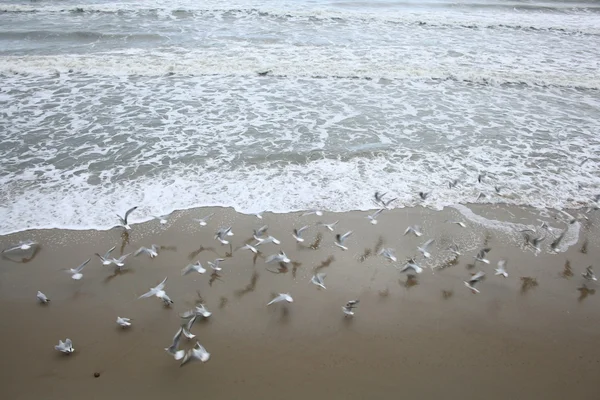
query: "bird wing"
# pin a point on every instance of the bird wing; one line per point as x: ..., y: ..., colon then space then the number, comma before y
x: 140, y: 251
x: 277, y: 299
x: 376, y: 213
x: 78, y: 269
x: 123, y: 257
x: 345, y: 235
x: 477, y: 277
x: 187, y: 269
x: 428, y: 243
x: 161, y: 285
x: 299, y: 231
x: 132, y: 209
x: 149, y: 293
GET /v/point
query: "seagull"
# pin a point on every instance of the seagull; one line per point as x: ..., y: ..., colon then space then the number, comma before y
x: 197, y: 266
x: 124, y: 322
x: 589, y: 274
x: 501, y: 270
x: 172, y: 349
x: 159, y: 292
x: 340, y: 239
x: 481, y: 255
x: 152, y: 251
x: 411, y: 264
x: 416, y: 229
x: 423, y: 248
x: 298, y: 232
x: 280, y: 257
x: 203, y: 221
x: 534, y: 242
x: 249, y: 247
x: 197, y: 353
x: 379, y: 197
x: 459, y: 223
x: 199, y: 310
x: 386, y: 204
x: 76, y: 272
x: 389, y: 254
x: 452, y: 183
x: 261, y: 230
x: 454, y: 249
x: 65, y: 347
x: 120, y: 262
x: 215, y: 264
x: 423, y: 195
x: 318, y: 280
x: 318, y: 213
x: 474, y: 280
x: 26, y: 245
x: 42, y: 297
x: 556, y: 242
x: 123, y: 220
x: 268, y: 239
x: 281, y: 297
x: 105, y: 258
x: 329, y: 226
x: 161, y: 219
x: 259, y: 215
x: 222, y: 233
x: 373, y: 217
x: 351, y: 305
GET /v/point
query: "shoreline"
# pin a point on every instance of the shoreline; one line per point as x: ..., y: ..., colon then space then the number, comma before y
x: 535, y: 341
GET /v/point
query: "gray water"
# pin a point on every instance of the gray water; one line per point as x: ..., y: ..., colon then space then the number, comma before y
x: 288, y: 105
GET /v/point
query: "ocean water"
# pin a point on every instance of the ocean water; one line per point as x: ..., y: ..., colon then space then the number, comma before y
x: 293, y: 104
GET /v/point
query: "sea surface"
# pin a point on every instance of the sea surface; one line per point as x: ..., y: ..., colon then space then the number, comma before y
x: 293, y: 104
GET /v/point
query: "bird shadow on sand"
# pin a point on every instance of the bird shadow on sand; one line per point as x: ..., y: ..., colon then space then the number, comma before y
x: 528, y: 283
x: 195, y: 253
x: 411, y: 281
x: 250, y: 287
x: 118, y: 272
x: 584, y: 292
x: 324, y: 264
x: 567, y: 271
x: 214, y: 277
x: 23, y: 260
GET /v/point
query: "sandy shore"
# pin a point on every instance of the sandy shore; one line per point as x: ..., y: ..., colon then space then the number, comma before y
x: 427, y: 339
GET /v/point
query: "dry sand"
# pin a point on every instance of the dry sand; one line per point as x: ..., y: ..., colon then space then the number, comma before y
x: 432, y: 340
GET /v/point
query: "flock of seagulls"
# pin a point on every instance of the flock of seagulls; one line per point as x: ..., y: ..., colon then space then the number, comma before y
x: 262, y: 238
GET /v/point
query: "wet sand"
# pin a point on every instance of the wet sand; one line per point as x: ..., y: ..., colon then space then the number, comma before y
x: 427, y: 339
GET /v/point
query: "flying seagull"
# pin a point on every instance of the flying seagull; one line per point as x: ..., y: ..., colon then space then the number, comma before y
x: 105, y: 258
x: 329, y: 226
x: 379, y: 197
x: 197, y: 267
x: 349, y: 307
x: 281, y: 297
x: 152, y: 251
x: 123, y: 220
x: 268, y: 239
x: 280, y: 257
x: 42, y: 297
x: 556, y: 242
x: 423, y: 248
x: 297, y: 234
x: 65, y: 347
x: 124, y: 322
x: 26, y: 245
x: 589, y: 274
x: 249, y: 247
x: 197, y: 353
x: 454, y: 249
x: 222, y: 233
x: 120, y: 262
x: 318, y: 213
x: 373, y: 217
x: 340, y: 239
x: 459, y: 223
x: 411, y: 264
x: 173, y: 348
x: 261, y: 230
x: 534, y: 242
x: 259, y: 215
x: 215, y: 264
x: 481, y: 255
x: 389, y: 254
x: 199, y: 310
x: 478, y: 277
x: 159, y: 292
x: 319, y: 280
x: 501, y: 270
x: 204, y: 221
x: 76, y: 272
x: 416, y: 229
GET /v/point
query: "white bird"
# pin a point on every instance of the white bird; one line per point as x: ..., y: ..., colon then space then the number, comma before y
x: 411, y: 264
x: 268, y: 239
x: 589, y: 274
x: 340, y: 239
x: 26, y: 245
x: 76, y: 272
x: 161, y: 219
x: 459, y: 223
x: 311, y: 212
x: 481, y: 255
x: 65, y: 347
x: 199, y: 310
x: 389, y: 254
x: 249, y: 247
x: 259, y: 215
x: 373, y: 217
x: 123, y: 220
x: 197, y: 266
x: 159, y: 292
x: 42, y: 297
x: 416, y: 229
x: 534, y: 242
x: 423, y: 248
x: 379, y: 197
x: 261, y: 230
x: 173, y: 348
x: 349, y: 307
x: 197, y: 353
x: 222, y: 233
x: 478, y: 277
x: 281, y: 297
x: 105, y: 258
x: 186, y: 332
x: 215, y: 264
x: 280, y: 257
x: 152, y: 251
x: 329, y: 226
x: 454, y: 249
x: 319, y: 280
x: 120, y: 262
x: 124, y: 322
x: 298, y: 232
x: 501, y: 270
x: 204, y: 221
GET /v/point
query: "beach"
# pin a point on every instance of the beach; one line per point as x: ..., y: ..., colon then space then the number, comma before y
x: 422, y: 337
